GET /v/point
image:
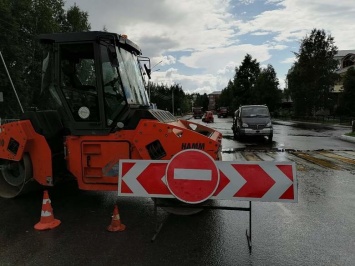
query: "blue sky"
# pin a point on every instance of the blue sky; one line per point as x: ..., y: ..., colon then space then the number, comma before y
x: 198, y: 43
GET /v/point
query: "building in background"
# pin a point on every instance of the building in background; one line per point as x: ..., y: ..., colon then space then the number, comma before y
x: 346, y: 59
x: 212, y: 99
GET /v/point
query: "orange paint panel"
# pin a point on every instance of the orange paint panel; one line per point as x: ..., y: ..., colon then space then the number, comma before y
x: 94, y: 160
x: 149, y: 131
x: 29, y: 141
x: 91, y: 148
x: 92, y: 172
x: 13, y: 140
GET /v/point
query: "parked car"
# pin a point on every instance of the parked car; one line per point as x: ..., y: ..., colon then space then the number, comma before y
x: 252, y: 120
x: 197, y: 112
x: 208, y: 117
x: 222, y: 112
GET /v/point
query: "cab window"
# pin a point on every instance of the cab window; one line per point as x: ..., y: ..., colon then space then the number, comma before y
x: 78, y: 80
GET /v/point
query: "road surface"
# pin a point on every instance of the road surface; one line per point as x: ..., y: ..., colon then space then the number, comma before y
x: 318, y: 230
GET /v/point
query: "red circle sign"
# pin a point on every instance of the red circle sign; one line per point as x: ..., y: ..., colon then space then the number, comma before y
x: 192, y: 176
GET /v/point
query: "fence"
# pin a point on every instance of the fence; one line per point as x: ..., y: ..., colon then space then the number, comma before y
x: 6, y: 120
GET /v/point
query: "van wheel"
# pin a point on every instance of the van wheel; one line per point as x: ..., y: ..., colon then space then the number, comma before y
x: 270, y: 138
x: 237, y: 134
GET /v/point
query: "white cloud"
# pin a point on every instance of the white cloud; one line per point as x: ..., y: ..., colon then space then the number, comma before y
x: 212, y: 40
x: 289, y: 60
x: 260, y: 33
x: 158, y: 62
x: 226, y: 70
x: 295, y: 18
x: 191, y: 83
x: 246, y: 2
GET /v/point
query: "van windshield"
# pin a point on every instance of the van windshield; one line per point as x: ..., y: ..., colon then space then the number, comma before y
x: 255, y: 111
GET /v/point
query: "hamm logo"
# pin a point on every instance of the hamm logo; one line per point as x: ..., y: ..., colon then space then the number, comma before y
x: 199, y: 146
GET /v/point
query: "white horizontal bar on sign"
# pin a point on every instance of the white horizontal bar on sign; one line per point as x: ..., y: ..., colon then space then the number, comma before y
x: 193, y: 174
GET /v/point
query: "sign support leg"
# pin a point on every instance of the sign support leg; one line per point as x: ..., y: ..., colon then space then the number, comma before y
x: 157, y: 225
x: 249, y: 235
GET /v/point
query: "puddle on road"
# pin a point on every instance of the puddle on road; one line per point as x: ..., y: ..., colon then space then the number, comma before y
x: 308, y: 135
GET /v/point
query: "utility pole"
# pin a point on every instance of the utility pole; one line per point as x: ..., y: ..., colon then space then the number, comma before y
x: 12, y: 84
x: 172, y: 98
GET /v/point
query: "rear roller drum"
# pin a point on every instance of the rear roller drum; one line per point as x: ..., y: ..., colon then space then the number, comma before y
x: 15, y: 176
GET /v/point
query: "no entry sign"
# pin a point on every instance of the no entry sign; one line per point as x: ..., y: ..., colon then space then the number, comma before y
x: 192, y: 176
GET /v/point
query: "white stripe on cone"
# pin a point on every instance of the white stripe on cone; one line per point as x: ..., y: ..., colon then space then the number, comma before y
x: 45, y: 201
x: 46, y: 213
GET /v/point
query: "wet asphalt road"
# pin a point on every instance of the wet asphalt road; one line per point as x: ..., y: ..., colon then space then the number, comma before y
x: 318, y: 230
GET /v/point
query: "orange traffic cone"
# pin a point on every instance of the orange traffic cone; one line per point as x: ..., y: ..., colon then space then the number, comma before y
x: 47, y: 219
x: 116, y: 224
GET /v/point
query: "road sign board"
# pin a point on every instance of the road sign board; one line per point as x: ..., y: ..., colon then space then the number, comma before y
x: 192, y: 176
x: 143, y: 178
x: 257, y: 181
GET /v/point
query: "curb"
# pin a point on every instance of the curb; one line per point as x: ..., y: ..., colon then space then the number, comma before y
x: 348, y: 138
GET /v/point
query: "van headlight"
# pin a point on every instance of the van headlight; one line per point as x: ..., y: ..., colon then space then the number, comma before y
x: 245, y: 125
x: 269, y: 124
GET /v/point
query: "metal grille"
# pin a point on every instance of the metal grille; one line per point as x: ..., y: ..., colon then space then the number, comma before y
x: 257, y: 127
x: 13, y: 146
x: 156, y: 150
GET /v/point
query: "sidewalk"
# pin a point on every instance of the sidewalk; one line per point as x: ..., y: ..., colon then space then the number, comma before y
x: 293, y: 122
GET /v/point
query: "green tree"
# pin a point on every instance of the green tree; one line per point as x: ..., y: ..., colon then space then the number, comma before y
x: 251, y: 85
x: 225, y: 99
x: 244, y: 82
x: 76, y: 20
x: 20, y: 24
x: 267, y: 89
x: 241, y: 90
x: 159, y: 95
x: 162, y: 96
x: 179, y: 95
x: 202, y: 101
x: 313, y: 74
x: 8, y: 30
x: 347, y: 98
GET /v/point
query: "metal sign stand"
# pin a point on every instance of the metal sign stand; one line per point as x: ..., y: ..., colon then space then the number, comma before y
x: 158, y: 226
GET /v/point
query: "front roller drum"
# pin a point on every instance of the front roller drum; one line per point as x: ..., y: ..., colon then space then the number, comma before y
x: 16, y: 177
